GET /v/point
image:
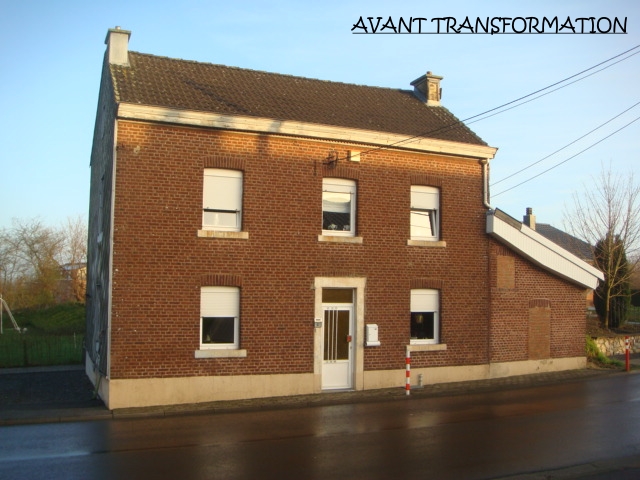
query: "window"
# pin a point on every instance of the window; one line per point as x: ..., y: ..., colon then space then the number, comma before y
x: 219, y: 317
x: 222, y: 200
x: 425, y: 317
x: 425, y: 202
x: 338, y: 207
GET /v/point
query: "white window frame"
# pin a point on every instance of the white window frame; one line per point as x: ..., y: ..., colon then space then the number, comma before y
x: 222, y: 194
x: 220, y: 302
x: 426, y: 300
x: 425, y: 203
x: 340, y: 186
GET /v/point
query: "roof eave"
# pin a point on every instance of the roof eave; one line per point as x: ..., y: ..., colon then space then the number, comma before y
x: 149, y: 113
x: 542, y: 252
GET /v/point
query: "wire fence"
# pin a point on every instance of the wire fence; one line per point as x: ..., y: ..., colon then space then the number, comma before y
x: 24, y: 350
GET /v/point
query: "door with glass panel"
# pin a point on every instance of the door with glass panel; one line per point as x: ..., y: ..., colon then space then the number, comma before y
x: 338, y: 338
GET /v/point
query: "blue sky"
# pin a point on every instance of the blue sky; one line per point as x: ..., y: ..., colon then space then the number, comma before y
x: 52, y: 51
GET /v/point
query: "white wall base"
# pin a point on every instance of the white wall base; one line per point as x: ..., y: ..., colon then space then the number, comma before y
x: 128, y: 393
x: 435, y: 375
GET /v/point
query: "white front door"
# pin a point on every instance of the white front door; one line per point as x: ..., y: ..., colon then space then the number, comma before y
x: 338, y: 343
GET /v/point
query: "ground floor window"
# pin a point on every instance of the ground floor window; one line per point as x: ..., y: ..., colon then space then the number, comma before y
x: 219, y: 317
x: 425, y: 316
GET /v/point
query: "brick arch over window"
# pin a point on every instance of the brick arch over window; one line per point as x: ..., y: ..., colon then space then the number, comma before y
x: 220, y: 280
x: 230, y: 162
x: 340, y: 171
x: 539, y: 302
x: 426, y: 180
x: 433, y: 283
x: 341, y: 272
x: 503, y: 251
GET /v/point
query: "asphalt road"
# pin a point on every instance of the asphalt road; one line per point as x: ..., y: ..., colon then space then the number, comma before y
x: 572, y: 429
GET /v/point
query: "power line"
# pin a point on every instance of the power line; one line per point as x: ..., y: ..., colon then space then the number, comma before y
x: 566, y: 160
x: 567, y: 145
x: 462, y: 122
x: 558, y: 82
x: 547, y: 93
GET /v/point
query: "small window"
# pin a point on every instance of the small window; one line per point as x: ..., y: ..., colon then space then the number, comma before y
x: 425, y: 318
x: 425, y: 204
x: 338, y: 207
x: 222, y: 200
x: 219, y: 317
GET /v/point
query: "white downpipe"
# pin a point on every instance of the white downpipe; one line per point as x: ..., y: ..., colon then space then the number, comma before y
x: 485, y: 183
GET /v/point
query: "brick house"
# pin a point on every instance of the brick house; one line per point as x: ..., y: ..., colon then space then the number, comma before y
x: 254, y: 234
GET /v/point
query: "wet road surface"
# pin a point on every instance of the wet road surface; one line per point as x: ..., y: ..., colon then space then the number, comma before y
x: 484, y: 435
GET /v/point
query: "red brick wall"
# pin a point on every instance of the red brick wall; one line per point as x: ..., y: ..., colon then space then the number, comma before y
x: 159, y: 262
x: 512, y: 310
x: 539, y: 330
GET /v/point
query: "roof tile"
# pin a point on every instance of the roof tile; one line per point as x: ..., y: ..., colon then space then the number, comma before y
x: 183, y: 84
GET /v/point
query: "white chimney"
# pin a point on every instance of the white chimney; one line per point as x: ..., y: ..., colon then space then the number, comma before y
x: 427, y: 88
x: 117, y: 42
x: 529, y: 219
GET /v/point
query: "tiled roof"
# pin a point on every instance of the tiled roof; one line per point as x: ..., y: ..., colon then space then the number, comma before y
x: 181, y: 84
x: 579, y: 248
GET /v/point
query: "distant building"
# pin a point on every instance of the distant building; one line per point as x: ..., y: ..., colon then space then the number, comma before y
x: 254, y: 234
x: 72, y: 287
x: 574, y: 245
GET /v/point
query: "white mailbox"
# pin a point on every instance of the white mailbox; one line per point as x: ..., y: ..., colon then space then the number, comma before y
x: 371, y: 335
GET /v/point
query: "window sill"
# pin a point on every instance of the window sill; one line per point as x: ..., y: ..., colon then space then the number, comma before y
x: 220, y: 353
x: 427, y: 347
x: 339, y: 239
x: 427, y: 243
x: 223, y: 234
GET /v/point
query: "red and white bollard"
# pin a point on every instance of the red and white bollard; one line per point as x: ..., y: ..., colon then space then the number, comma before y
x: 627, y: 355
x: 407, y: 385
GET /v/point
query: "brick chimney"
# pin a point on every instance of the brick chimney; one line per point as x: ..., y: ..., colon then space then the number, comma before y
x: 117, y: 42
x: 427, y: 88
x: 529, y: 219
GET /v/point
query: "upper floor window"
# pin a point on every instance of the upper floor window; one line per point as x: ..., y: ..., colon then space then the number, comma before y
x: 425, y: 316
x: 219, y: 317
x: 425, y: 218
x: 338, y: 207
x: 222, y: 200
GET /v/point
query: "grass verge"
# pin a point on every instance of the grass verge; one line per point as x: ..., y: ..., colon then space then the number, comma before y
x: 595, y: 356
x: 53, y: 336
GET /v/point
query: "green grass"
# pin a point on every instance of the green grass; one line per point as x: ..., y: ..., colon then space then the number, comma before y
x: 64, y: 319
x: 53, y: 336
x: 594, y: 355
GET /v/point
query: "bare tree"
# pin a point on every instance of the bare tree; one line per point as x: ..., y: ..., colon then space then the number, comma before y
x: 41, y: 265
x: 31, y: 253
x: 10, y: 266
x: 607, y: 214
